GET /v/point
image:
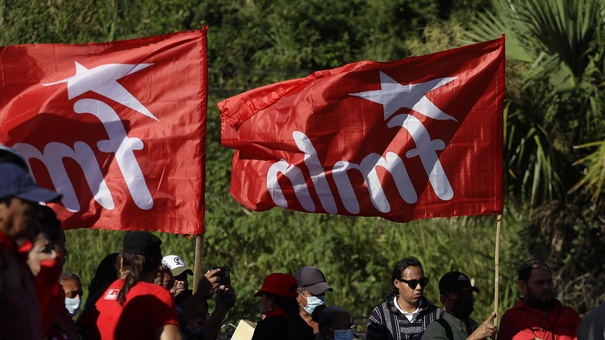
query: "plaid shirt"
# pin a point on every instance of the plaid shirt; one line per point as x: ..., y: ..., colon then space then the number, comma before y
x: 386, y: 322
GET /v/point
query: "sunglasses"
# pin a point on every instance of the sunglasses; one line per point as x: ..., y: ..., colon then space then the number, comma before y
x: 413, y: 283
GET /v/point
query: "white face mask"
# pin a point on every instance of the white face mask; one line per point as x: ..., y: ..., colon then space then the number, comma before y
x: 72, y: 305
x: 313, y: 302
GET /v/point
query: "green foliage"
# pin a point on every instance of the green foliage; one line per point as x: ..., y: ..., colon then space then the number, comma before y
x: 554, y: 101
x: 60, y: 21
x: 555, y: 128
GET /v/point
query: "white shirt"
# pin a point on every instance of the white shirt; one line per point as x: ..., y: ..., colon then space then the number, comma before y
x: 410, y: 316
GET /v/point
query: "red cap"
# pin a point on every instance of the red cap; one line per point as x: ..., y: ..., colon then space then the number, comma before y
x: 279, y: 284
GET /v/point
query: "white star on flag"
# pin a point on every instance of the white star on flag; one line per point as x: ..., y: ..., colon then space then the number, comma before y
x: 393, y: 96
x: 104, y: 81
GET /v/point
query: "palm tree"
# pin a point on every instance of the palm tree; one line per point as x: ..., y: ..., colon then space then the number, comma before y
x: 555, y: 132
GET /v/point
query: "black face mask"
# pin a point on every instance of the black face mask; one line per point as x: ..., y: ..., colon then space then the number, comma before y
x: 463, y: 308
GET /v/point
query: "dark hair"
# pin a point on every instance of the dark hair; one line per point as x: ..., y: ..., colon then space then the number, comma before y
x: 526, y: 268
x: 403, y: 264
x: 107, y: 272
x: 65, y: 275
x: 325, y: 316
x: 290, y: 305
x: 50, y: 223
x: 400, y: 266
x: 134, y: 266
x: 6, y: 200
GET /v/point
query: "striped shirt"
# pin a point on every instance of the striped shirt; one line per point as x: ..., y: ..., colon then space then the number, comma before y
x: 386, y: 322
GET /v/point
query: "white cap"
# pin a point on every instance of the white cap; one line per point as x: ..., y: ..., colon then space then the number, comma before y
x: 176, y: 265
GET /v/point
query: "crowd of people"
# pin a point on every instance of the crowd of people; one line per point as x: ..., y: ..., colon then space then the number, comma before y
x: 138, y: 293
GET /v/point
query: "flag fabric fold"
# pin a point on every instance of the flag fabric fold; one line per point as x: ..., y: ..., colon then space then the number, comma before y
x: 414, y: 138
x: 118, y: 128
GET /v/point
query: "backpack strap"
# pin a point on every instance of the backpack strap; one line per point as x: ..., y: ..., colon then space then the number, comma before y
x: 448, y: 329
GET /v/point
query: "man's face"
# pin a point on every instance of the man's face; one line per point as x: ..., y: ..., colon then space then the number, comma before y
x: 167, y: 280
x: 164, y: 278
x: 266, y: 303
x: 72, y: 288
x: 302, y: 296
x: 409, y: 295
x: 19, y: 219
x: 538, y: 291
x: 180, y: 284
x: 456, y: 303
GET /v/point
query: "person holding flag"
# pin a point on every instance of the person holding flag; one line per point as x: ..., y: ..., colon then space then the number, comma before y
x: 457, y: 297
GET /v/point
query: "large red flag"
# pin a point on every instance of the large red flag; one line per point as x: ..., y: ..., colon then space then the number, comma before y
x: 118, y: 128
x: 415, y: 138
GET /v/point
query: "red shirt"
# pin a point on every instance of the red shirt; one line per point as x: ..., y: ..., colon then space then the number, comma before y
x: 523, y: 322
x: 147, y: 307
x: 50, y: 293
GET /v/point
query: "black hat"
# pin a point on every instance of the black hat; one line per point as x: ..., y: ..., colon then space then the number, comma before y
x: 142, y: 243
x: 312, y: 280
x: 455, y: 282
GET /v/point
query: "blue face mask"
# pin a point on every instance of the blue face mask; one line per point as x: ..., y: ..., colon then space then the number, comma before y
x: 72, y: 305
x: 343, y: 334
x: 313, y: 302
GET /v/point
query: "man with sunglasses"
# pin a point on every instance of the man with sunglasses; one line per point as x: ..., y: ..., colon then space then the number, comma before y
x: 406, y: 313
x: 456, y: 324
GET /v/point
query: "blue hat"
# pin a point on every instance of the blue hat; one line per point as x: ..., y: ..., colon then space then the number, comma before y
x: 10, y: 155
x: 16, y: 182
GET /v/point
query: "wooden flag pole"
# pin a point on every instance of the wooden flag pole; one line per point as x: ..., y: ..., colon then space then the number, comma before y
x: 497, y: 268
x: 197, y: 266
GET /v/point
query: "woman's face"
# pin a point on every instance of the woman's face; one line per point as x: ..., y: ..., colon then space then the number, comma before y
x: 266, y: 302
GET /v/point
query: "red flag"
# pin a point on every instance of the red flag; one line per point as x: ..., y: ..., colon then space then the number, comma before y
x: 415, y: 138
x: 118, y: 128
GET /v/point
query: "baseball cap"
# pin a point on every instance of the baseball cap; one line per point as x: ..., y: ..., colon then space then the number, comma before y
x: 142, y: 243
x: 279, y: 284
x: 16, y: 182
x: 10, y: 155
x: 455, y: 282
x: 312, y: 279
x: 176, y: 265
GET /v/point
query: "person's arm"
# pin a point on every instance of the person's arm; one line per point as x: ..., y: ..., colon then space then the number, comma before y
x: 434, y: 331
x: 208, y: 285
x: 376, y: 330
x: 589, y: 329
x: 167, y: 332
x: 225, y: 300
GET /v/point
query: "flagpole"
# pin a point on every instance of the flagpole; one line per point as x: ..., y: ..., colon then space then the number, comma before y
x: 497, y: 267
x: 199, y: 242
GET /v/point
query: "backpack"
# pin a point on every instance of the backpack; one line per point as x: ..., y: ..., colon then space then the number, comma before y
x: 448, y: 329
